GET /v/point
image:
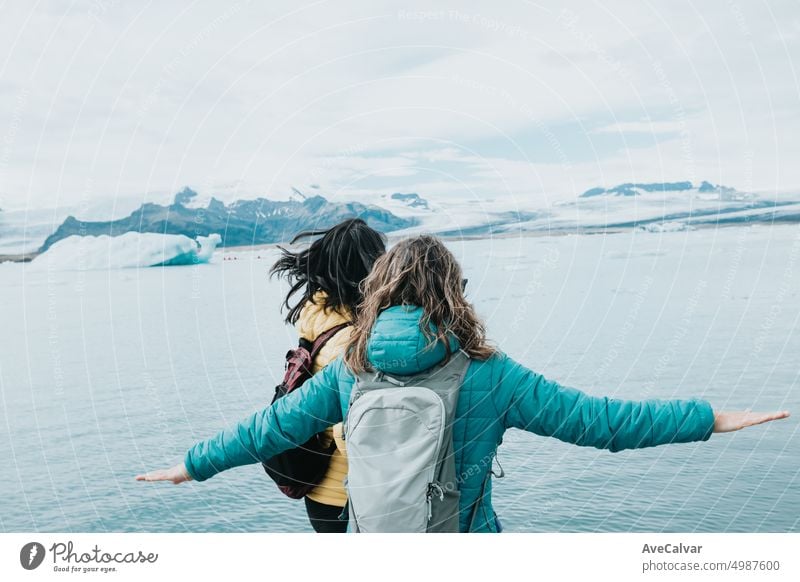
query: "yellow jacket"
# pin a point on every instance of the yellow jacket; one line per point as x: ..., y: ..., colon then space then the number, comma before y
x: 314, y: 319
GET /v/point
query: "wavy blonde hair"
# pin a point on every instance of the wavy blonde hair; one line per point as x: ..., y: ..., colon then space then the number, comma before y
x: 422, y: 272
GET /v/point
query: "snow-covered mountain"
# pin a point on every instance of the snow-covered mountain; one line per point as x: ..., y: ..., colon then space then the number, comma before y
x: 706, y: 190
x: 663, y: 206
x: 450, y: 217
x: 243, y: 222
x: 654, y: 207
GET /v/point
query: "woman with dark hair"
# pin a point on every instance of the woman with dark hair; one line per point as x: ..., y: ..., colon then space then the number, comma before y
x: 325, y: 289
x: 334, y: 265
x: 414, y: 319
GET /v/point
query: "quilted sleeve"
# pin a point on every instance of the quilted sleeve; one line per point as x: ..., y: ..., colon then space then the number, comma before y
x: 289, y: 422
x: 544, y: 407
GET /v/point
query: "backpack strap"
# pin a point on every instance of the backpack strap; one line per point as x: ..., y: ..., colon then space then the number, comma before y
x: 326, y: 335
x: 479, y: 501
x: 381, y: 376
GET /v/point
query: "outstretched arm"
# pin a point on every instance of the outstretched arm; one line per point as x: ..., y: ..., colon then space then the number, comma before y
x: 544, y: 407
x: 288, y: 423
x: 732, y: 421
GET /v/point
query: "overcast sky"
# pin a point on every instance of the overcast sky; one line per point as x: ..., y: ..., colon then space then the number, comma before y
x: 529, y: 100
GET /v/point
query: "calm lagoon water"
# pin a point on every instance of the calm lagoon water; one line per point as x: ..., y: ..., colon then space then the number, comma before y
x: 104, y: 374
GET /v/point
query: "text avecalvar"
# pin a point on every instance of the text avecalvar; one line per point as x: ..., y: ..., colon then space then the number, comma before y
x: 671, y: 549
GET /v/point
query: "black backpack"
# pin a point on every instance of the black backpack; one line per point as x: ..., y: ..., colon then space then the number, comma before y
x: 297, y: 471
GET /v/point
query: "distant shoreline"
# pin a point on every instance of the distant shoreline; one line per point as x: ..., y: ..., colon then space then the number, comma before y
x: 30, y: 256
x: 19, y: 258
x: 522, y: 234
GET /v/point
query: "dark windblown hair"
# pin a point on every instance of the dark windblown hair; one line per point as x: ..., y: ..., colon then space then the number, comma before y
x: 336, y: 263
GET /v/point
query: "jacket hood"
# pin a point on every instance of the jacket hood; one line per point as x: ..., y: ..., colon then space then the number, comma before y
x: 398, y: 346
x: 316, y: 318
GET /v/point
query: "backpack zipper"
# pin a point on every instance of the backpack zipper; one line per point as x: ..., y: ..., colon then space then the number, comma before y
x: 433, y: 484
x: 434, y: 487
x: 346, y: 422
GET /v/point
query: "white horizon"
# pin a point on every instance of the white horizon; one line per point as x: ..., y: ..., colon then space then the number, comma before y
x: 102, y: 103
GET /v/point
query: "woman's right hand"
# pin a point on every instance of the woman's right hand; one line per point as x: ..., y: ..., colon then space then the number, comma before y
x: 731, y: 421
x: 177, y: 474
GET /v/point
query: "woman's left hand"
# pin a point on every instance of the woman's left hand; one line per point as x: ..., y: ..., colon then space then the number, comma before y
x: 731, y: 421
x: 177, y: 474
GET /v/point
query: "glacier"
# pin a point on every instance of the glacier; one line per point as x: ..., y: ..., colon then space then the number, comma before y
x: 648, y: 207
x: 132, y: 249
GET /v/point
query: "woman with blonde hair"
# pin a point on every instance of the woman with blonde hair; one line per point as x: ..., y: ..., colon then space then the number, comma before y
x: 415, y: 317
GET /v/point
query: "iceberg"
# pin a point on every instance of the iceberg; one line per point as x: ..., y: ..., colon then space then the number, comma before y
x: 132, y: 249
x: 673, y: 226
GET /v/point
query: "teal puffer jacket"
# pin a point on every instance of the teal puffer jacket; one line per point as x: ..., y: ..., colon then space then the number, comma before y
x: 497, y: 394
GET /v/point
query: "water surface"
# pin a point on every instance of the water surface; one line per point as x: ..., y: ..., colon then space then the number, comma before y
x: 104, y: 374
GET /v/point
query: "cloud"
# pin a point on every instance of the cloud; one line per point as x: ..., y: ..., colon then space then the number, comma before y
x: 666, y: 126
x: 105, y: 100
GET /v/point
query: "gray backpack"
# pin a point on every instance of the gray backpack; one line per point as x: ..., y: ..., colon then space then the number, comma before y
x: 401, y: 463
